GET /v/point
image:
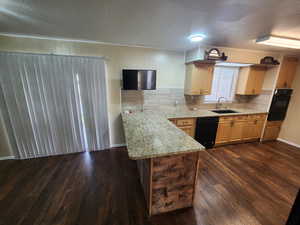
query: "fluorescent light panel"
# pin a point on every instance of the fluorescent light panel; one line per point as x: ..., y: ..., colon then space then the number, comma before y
x: 279, y: 42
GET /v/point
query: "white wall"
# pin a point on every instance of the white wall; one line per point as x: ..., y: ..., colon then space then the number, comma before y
x: 169, y: 66
x: 290, y: 130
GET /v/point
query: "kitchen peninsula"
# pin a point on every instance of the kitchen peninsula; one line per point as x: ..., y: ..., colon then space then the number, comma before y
x: 167, y: 160
x: 167, y: 154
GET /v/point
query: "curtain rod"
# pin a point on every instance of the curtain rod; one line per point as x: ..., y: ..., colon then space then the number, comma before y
x: 55, y: 54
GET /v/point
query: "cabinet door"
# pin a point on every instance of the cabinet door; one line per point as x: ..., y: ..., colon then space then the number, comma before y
x: 293, y: 62
x: 237, y: 130
x: 224, y: 132
x: 198, y: 80
x: 247, y: 132
x: 272, y: 130
x: 258, y: 127
x: 287, y: 72
x: 250, y: 80
x: 206, y: 79
x: 192, y: 80
x: 254, y: 129
x: 271, y: 133
x: 251, y: 83
x: 188, y: 130
x: 259, y: 77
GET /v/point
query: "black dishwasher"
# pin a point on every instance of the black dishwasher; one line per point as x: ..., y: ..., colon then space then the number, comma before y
x: 206, y: 130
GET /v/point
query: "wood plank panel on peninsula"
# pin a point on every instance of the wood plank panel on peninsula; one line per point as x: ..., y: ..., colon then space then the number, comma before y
x: 167, y: 160
x: 169, y: 182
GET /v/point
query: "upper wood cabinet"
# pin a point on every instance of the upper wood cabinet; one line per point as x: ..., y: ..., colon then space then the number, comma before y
x: 250, y: 80
x: 287, y: 72
x: 198, y: 79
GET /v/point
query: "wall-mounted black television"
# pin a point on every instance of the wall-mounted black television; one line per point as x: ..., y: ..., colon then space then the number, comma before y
x: 139, y: 79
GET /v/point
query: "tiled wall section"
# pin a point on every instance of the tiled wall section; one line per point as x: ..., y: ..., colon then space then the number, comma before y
x: 166, y: 99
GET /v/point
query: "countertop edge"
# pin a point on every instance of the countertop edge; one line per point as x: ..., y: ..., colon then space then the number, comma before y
x: 167, y: 154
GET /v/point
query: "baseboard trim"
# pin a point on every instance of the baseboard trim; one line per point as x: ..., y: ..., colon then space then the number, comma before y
x: 117, y: 145
x: 288, y: 142
x: 7, y: 157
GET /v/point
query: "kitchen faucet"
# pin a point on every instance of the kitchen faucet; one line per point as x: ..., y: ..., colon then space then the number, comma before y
x: 219, y: 103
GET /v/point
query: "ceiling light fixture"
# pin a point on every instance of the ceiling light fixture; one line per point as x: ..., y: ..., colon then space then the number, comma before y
x: 279, y: 42
x: 196, y: 37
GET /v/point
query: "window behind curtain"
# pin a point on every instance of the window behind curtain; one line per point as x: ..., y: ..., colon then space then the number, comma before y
x: 55, y: 104
x: 224, y: 83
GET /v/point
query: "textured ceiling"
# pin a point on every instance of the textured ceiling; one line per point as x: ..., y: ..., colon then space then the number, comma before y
x: 153, y: 23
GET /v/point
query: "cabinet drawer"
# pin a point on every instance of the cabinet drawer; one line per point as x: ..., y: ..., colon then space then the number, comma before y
x: 260, y: 117
x: 274, y: 123
x: 226, y: 119
x: 173, y: 121
x: 185, y: 122
x: 189, y: 130
x: 240, y: 118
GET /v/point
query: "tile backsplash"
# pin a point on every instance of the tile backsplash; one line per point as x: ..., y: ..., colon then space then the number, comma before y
x: 164, y: 99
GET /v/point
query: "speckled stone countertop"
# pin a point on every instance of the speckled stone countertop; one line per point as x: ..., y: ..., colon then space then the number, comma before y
x: 150, y: 135
x: 208, y: 113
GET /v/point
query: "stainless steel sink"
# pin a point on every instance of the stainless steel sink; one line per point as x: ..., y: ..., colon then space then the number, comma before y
x: 221, y: 111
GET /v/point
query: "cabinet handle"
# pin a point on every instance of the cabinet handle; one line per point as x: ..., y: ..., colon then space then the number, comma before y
x: 285, y: 84
x: 232, y: 123
x: 255, y: 122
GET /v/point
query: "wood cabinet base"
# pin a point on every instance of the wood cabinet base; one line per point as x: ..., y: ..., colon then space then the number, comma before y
x: 272, y: 130
x: 169, y: 182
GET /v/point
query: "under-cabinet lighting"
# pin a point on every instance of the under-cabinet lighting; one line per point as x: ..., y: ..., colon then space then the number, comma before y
x: 279, y: 42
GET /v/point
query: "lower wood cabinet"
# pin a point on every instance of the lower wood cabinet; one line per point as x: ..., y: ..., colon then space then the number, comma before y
x: 254, y: 127
x: 237, y: 131
x: 272, y: 130
x: 240, y: 128
x: 224, y: 131
x: 231, y: 129
x: 188, y: 125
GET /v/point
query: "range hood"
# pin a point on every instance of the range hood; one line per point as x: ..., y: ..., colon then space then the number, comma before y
x: 205, y: 55
x: 139, y: 79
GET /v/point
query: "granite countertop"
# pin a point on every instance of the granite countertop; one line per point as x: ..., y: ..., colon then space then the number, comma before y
x: 208, y: 113
x: 150, y: 135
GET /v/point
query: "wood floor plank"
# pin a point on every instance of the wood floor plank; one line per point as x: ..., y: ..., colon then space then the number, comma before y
x: 243, y: 184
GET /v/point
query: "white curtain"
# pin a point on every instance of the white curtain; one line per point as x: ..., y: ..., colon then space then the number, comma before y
x: 56, y: 104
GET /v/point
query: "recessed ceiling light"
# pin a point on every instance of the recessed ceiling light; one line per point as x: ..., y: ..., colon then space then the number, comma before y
x: 279, y: 42
x: 196, y: 37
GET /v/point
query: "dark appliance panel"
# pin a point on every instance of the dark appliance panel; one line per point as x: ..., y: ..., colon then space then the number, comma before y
x: 279, y: 105
x: 139, y: 79
x: 206, y: 130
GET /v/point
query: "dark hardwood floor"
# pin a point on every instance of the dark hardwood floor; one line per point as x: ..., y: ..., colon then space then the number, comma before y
x: 244, y: 184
